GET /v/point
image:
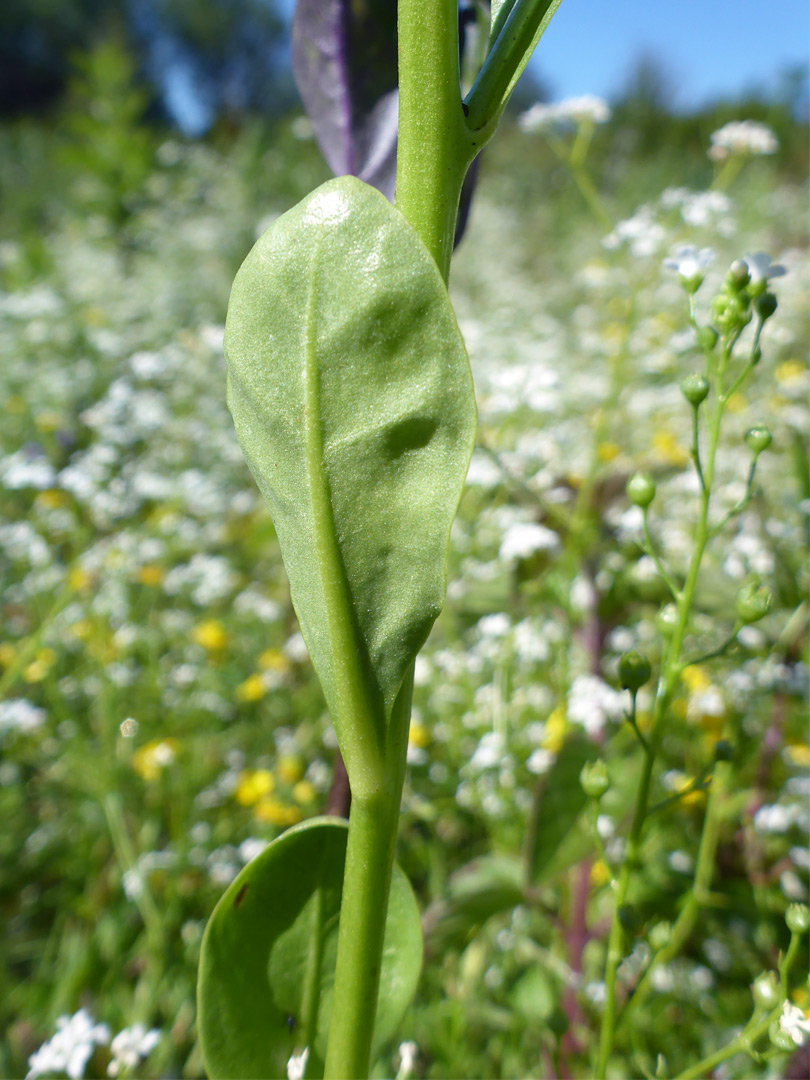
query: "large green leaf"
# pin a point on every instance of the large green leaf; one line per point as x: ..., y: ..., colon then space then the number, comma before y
x: 268, y: 957
x: 352, y: 398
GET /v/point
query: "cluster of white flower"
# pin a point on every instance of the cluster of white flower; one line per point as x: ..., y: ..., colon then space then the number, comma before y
x: 742, y: 137
x: 795, y: 1023
x: 587, y: 109
x: 130, y: 1046
x: 70, y: 1048
x: 18, y: 714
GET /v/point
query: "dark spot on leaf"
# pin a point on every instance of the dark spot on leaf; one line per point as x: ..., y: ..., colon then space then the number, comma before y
x: 240, y: 896
x: 410, y: 434
x: 290, y: 1022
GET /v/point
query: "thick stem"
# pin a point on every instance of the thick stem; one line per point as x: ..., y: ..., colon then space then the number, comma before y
x: 373, y: 822
x: 434, y: 148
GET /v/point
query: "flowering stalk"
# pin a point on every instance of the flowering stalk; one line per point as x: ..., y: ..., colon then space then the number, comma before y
x: 732, y: 309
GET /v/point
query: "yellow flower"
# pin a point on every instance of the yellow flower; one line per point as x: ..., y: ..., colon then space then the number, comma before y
x: 695, y: 679
x: 7, y: 653
x: 254, y: 785
x: 737, y: 403
x: 304, y: 792
x: 149, y: 759
x: 78, y: 579
x: 52, y: 499
x: 83, y: 628
x: 790, y: 371
x: 273, y: 812
x: 668, y: 449
x: 607, y: 451
x: 797, y: 754
x: 47, y: 421
x: 556, y: 727
x: 210, y: 634
x: 273, y: 660
x: 418, y: 735
x: 600, y: 874
x: 290, y: 769
x: 151, y: 574
x: 40, y: 666
x: 252, y: 689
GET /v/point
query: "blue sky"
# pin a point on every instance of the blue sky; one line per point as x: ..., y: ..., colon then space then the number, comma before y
x: 708, y: 48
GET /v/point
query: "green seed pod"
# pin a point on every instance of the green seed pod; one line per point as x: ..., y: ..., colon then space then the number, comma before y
x: 753, y: 602
x: 594, y: 779
x: 758, y: 438
x: 641, y: 489
x: 707, y: 338
x: 798, y: 918
x: 628, y: 918
x: 766, y: 305
x: 634, y: 670
x: 765, y: 990
x: 659, y: 936
x: 666, y: 619
x: 723, y: 750
x: 738, y: 275
x: 695, y: 389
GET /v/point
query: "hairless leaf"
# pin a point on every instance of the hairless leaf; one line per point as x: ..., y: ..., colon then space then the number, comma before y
x: 345, y: 65
x: 267, y: 965
x: 352, y: 398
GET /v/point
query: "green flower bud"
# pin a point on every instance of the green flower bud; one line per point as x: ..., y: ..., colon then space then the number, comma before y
x: 738, y: 275
x: 594, y: 779
x: 641, y: 489
x: 666, y: 619
x: 758, y: 438
x: 659, y: 936
x: 661, y: 1068
x: 723, y: 750
x: 765, y: 990
x: 766, y: 305
x: 628, y: 918
x: 634, y: 670
x: 753, y: 602
x: 695, y: 389
x: 707, y: 338
x: 798, y: 918
x: 731, y: 312
x: 782, y: 1040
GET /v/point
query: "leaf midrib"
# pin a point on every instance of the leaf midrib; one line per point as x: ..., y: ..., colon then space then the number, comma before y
x: 354, y: 703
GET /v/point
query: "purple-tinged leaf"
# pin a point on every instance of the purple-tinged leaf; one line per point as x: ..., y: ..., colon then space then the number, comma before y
x: 345, y: 65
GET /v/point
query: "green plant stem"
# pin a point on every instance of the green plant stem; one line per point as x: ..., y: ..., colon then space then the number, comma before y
x: 515, y: 38
x: 435, y: 147
x: 373, y: 823
x: 671, y: 669
x: 756, y: 1027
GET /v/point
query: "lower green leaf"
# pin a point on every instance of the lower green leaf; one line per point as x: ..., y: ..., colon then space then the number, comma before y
x: 268, y: 957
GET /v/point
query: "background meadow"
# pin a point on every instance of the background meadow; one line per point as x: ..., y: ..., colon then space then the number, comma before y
x: 160, y: 721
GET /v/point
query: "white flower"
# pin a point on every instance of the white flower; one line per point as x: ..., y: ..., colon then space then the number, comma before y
x: 296, y: 1066
x: 575, y: 110
x: 524, y: 538
x: 18, y: 714
x: 591, y: 703
x: 742, y: 137
x: 407, y: 1059
x: 130, y: 1046
x: 761, y: 268
x: 688, y: 262
x: 70, y: 1048
x: 794, y: 1023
